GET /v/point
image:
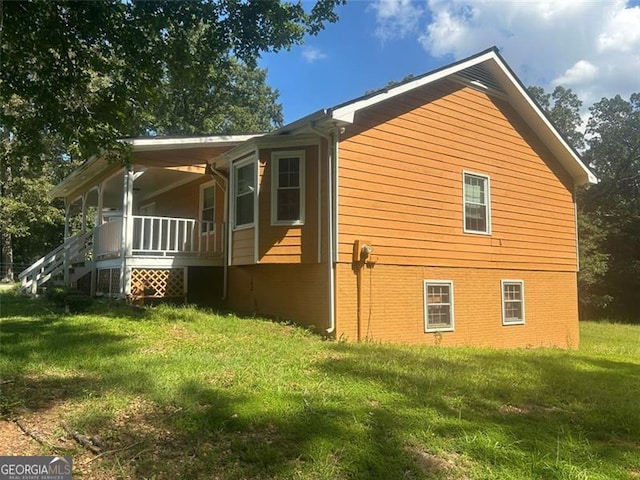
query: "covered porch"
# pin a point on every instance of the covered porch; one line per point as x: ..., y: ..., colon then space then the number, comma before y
x: 143, y: 226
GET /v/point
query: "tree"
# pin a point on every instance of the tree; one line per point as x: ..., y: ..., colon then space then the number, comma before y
x: 240, y: 102
x: 614, y: 203
x: 83, y: 74
x: 562, y: 107
x: 609, y: 212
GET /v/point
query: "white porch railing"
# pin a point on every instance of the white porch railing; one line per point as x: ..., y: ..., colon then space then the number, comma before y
x: 76, y: 249
x: 161, y: 236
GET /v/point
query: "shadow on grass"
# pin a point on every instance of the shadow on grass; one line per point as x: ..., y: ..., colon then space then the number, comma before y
x: 565, y: 410
x: 362, y: 412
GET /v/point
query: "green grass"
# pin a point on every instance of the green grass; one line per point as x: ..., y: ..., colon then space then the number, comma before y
x: 185, y: 393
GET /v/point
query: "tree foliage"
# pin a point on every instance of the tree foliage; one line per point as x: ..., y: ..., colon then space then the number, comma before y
x: 608, y: 212
x: 76, y: 76
x: 612, y: 207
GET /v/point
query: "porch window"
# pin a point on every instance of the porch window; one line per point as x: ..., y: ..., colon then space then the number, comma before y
x: 287, y: 188
x: 512, y: 302
x: 477, y: 215
x: 244, y: 188
x: 438, y: 306
x: 207, y: 207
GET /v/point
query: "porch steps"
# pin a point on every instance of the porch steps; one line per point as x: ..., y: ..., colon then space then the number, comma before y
x: 73, y: 256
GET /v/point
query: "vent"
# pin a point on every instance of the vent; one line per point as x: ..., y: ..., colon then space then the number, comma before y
x: 480, y: 77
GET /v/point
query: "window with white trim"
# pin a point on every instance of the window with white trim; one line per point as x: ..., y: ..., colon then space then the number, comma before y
x: 477, y: 214
x: 512, y: 302
x: 244, y: 193
x: 287, y: 188
x: 438, y: 306
x: 207, y: 207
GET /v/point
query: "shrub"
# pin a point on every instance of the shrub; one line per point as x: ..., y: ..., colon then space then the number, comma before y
x: 70, y: 299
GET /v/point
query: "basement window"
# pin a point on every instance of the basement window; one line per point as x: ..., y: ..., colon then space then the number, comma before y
x: 438, y: 306
x: 512, y: 302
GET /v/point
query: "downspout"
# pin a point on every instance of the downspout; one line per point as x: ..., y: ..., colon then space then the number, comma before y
x: 331, y: 151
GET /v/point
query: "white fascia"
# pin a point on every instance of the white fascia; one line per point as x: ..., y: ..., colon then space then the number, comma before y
x: 347, y: 112
x: 150, y: 143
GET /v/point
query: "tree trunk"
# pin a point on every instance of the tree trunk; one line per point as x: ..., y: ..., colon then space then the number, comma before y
x: 6, y: 242
x: 7, y: 258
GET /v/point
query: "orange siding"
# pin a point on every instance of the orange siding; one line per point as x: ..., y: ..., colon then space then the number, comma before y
x: 401, y: 186
x: 289, y: 244
x: 290, y: 292
x: 392, y: 306
x: 243, y: 246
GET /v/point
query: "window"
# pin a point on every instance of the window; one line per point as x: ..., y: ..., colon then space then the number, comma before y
x: 244, y: 191
x: 477, y: 217
x: 207, y: 207
x: 438, y: 306
x: 287, y: 188
x: 512, y: 302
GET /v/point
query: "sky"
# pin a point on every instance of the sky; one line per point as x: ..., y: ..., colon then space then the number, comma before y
x: 592, y: 47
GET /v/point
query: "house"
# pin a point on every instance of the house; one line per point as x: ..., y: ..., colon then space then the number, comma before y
x: 440, y: 210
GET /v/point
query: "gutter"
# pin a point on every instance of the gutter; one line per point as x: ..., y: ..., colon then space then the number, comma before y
x: 332, y: 150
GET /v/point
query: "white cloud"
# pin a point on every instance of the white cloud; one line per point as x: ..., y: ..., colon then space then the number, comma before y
x: 590, y: 46
x: 312, y: 54
x: 396, y: 18
x: 581, y: 73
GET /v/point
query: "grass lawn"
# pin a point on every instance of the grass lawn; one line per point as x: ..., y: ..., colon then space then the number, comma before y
x: 184, y: 393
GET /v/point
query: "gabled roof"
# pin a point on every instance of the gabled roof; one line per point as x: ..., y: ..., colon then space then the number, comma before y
x: 486, y: 71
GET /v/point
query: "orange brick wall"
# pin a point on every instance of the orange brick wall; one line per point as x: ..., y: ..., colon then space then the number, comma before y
x: 392, y: 307
x: 292, y: 292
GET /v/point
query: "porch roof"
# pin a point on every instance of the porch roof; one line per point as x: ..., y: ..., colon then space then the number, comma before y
x: 186, y: 154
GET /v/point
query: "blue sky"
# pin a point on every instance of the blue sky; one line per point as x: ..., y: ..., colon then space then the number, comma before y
x: 592, y: 47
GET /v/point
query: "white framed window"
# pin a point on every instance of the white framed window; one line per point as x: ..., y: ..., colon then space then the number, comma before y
x: 287, y: 188
x: 477, y: 203
x: 438, y: 306
x: 512, y: 302
x: 244, y: 191
x: 207, y: 207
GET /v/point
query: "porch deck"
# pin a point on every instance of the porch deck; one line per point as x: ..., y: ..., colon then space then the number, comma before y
x: 154, y: 243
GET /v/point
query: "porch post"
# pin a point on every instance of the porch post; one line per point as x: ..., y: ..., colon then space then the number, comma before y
x: 84, y: 211
x: 67, y: 213
x: 127, y: 231
x: 65, y: 252
x: 100, y: 204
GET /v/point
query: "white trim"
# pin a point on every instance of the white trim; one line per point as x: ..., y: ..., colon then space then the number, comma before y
x: 147, y: 144
x: 425, y: 285
x: 347, y: 112
x: 256, y: 208
x: 270, y: 141
x: 575, y: 223
x: 487, y: 200
x: 502, y: 285
x: 514, y: 92
x: 319, y: 201
x: 203, y: 187
x: 275, y: 185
